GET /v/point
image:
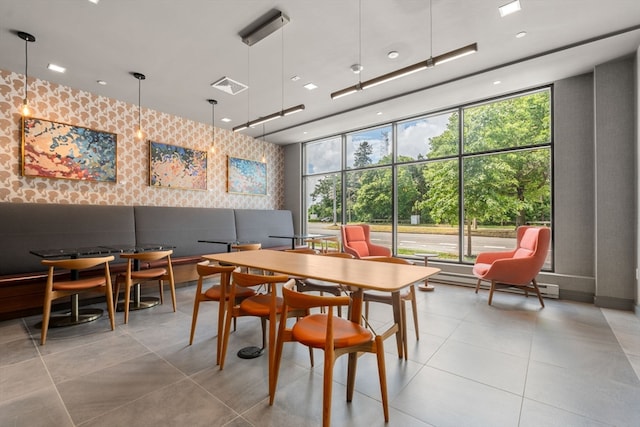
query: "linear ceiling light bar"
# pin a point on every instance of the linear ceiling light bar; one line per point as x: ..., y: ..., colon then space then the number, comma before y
x: 263, y: 27
x: 423, y: 65
x: 268, y: 118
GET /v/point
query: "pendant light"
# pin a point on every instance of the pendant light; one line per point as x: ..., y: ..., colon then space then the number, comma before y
x: 278, y: 21
x: 140, y: 77
x: 423, y: 65
x: 28, y: 38
x: 213, y: 103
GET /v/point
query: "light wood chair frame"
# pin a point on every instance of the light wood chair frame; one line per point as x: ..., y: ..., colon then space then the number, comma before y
x: 132, y: 276
x: 298, y: 302
x: 62, y: 288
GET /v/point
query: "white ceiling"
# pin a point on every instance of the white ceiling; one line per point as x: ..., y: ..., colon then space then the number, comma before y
x: 184, y: 46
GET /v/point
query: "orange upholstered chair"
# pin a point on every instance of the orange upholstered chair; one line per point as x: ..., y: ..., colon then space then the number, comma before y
x: 335, y: 335
x: 356, y: 241
x: 516, y: 268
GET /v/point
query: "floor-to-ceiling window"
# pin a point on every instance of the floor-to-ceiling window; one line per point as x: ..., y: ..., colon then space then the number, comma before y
x: 452, y: 184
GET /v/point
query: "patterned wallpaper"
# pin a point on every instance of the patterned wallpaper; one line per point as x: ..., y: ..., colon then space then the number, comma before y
x: 63, y: 104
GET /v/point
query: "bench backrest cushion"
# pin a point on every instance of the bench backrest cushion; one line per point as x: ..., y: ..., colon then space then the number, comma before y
x: 257, y: 225
x: 32, y: 226
x: 182, y: 227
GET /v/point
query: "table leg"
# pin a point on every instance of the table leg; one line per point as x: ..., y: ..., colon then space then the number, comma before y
x: 356, y: 313
x: 426, y: 287
x: 139, y: 302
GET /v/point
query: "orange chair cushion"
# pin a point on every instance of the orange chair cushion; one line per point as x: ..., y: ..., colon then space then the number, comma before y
x: 479, y: 270
x: 259, y: 305
x: 213, y: 293
x: 312, y: 331
x: 150, y: 273
x: 88, y: 283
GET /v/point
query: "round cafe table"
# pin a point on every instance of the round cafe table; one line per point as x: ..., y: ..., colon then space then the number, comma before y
x: 426, y: 287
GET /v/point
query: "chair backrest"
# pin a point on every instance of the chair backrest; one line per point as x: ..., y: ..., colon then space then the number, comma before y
x: 148, y: 255
x: 309, y: 251
x: 354, y: 239
x: 248, y: 280
x: 205, y: 268
x: 300, y: 300
x: 338, y: 255
x: 77, y: 263
x: 247, y: 247
x: 533, y: 242
x: 390, y: 260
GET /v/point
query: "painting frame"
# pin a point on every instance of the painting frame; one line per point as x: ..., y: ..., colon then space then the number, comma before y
x: 246, y: 176
x: 177, y: 167
x: 53, y: 149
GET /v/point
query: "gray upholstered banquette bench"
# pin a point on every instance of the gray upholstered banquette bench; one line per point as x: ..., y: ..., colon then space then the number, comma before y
x: 25, y: 227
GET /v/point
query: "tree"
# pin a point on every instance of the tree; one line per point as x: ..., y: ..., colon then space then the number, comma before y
x: 362, y: 156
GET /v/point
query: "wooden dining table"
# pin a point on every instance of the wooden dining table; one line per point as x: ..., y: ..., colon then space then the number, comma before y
x: 359, y: 274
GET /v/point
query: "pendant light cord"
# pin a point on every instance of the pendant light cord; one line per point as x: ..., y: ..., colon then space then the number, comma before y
x: 26, y: 70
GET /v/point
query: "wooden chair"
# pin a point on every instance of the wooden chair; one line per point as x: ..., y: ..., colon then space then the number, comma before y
x: 265, y: 304
x: 218, y: 292
x: 134, y: 275
x: 63, y: 288
x: 313, y: 285
x: 407, y: 294
x: 335, y: 335
x: 239, y: 247
x: 518, y: 267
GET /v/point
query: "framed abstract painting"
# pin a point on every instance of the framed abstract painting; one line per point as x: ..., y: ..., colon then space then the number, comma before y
x: 177, y: 167
x: 246, y: 176
x: 59, y: 150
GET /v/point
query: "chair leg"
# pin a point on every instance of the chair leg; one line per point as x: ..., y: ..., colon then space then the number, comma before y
x: 161, y: 291
x: 382, y: 374
x: 221, y: 312
x: 110, y: 305
x: 414, y: 309
x: 225, y: 337
x: 194, y: 318
x: 493, y: 288
x: 403, y: 315
x: 535, y: 285
x: 172, y: 288
x: 327, y: 388
x: 46, y: 314
x: 478, y: 285
x: 127, y: 300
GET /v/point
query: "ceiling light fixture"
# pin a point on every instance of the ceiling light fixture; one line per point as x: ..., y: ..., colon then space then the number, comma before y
x: 432, y: 61
x: 56, y: 68
x: 283, y: 112
x: 28, y: 38
x: 521, y: 34
x: 140, y: 77
x: 393, y: 54
x: 509, y: 8
x: 213, y: 103
x: 263, y: 27
x: 310, y: 86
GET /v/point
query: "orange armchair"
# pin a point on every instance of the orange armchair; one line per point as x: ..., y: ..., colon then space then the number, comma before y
x: 356, y: 241
x: 516, y: 268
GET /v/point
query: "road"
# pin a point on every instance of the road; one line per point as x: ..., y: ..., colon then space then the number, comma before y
x: 428, y: 242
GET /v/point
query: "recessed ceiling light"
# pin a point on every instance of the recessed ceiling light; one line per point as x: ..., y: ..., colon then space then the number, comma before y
x: 295, y: 78
x: 94, y: 1
x: 310, y: 86
x: 497, y: 82
x: 101, y: 82
x: 521, y: 34
x: 226, y: 119
x: 379, y: 113
x: 393, y: 54
x: 509, y: 8
x: 56, y: 68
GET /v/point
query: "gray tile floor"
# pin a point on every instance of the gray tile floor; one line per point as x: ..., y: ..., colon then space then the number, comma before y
x: 512, y: 364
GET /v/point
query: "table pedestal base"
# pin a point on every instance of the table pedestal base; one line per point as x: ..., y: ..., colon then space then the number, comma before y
x: 145, y: 302
x: 250, y: 352
x: 84, y: 315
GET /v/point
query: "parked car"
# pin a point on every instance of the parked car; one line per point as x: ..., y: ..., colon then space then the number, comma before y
x: 326, y: 219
